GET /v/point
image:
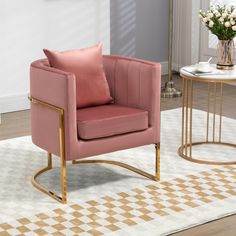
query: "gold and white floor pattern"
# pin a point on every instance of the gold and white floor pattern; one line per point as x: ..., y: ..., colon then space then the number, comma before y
x: 108, y: 200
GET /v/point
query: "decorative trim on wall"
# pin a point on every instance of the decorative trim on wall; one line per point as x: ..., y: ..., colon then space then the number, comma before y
x: 14, y: 103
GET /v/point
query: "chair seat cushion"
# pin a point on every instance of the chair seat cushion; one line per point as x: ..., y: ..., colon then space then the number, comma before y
x: 109, y: 120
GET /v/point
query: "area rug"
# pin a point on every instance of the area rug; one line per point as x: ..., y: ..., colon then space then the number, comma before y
x: 109, y: 200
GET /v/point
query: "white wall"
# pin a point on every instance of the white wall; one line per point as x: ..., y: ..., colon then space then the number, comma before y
x: 28, y: 26
x: 139, y: 28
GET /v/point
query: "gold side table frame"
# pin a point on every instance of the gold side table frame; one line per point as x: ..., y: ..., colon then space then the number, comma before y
x: 212, y: 136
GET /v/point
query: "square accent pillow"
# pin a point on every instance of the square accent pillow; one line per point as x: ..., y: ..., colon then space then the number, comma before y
x: 87, y: 66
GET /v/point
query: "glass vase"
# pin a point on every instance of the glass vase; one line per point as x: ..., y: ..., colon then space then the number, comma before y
x: 225, y: 55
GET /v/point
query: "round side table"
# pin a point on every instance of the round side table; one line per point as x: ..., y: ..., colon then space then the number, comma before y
x: 214, y: 81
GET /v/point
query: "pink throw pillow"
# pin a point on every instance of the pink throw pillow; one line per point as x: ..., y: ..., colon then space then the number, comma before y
x: 86, y: 64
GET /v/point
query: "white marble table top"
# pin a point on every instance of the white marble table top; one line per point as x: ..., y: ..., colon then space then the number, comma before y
x: 215, y: 76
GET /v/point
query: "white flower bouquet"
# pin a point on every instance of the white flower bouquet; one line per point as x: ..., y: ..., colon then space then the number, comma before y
x: 221, y: 21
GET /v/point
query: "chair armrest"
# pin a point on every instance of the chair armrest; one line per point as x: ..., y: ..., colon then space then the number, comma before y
x: 56, y: 88
x: 135, y: 83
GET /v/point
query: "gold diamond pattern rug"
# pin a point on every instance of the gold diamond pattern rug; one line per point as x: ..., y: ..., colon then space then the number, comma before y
x: 108, y: 200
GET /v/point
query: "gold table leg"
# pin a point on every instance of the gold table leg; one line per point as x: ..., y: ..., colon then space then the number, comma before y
x: 185, y: 150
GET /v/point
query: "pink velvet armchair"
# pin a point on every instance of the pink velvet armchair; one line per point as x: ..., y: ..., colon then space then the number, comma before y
x: 73, y: 134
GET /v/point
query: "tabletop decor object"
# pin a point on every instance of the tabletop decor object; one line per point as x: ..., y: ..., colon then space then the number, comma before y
x: 221, y: 21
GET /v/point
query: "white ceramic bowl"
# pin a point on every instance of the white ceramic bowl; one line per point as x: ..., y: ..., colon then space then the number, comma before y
x: 203, y: 66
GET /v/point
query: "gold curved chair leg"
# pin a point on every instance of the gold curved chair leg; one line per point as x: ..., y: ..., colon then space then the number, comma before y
x: 155, y: 177
x: 61, y: 199
x: 60, y: 112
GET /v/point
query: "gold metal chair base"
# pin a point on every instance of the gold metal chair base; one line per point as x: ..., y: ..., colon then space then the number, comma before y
x: 184, y: 153
x: 36, y: 184
x: 63, y: 198
x: 121, y: 164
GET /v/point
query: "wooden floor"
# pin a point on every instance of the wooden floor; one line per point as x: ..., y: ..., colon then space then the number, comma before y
x: 17, y: 124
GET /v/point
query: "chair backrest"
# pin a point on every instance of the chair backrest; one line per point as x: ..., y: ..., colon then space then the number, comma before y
x: 134, y: 83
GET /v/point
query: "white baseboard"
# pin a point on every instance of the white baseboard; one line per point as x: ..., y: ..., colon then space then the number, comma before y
x: 14, y: 103
x: 164, y: 67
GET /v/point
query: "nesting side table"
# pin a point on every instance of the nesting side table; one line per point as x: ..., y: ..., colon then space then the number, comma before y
x: 215, y: 88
